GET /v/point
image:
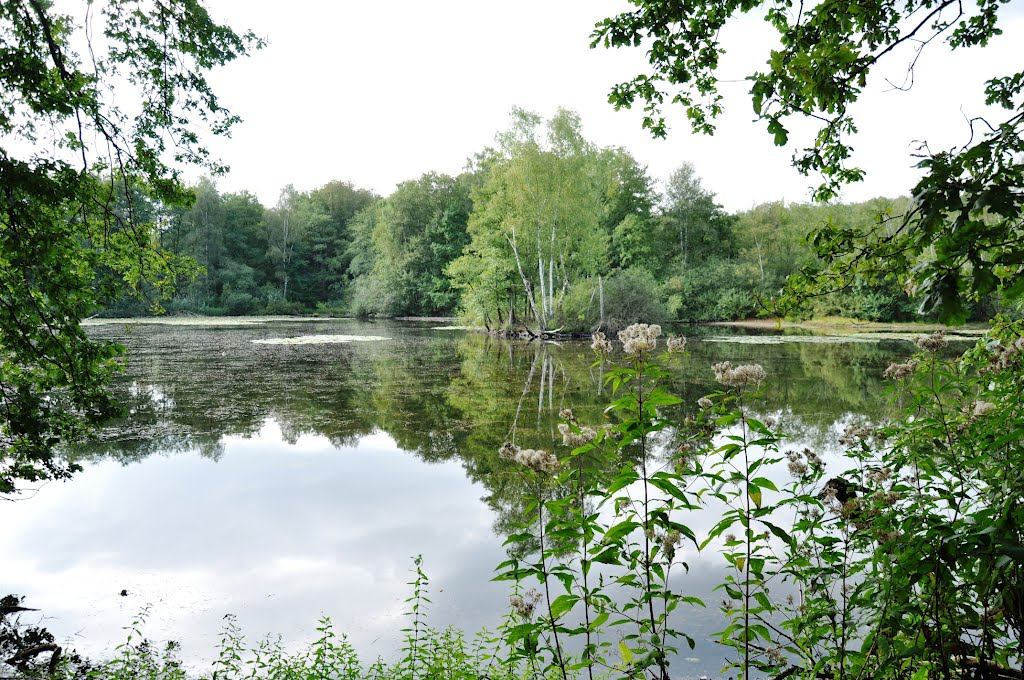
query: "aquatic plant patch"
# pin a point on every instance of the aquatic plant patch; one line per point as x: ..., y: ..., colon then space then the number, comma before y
x: 204, y: 321
x: 319, y: 339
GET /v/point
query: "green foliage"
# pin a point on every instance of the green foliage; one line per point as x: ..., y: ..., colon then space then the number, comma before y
x: 600, y: 536
x: 81, y: 180
x: 419, y: 229
x: 283, y: 260
x: 610, y: 304
x: 905, y: 564
x: 710, y: 291
x: 535, y: 226
x: 959, y: 240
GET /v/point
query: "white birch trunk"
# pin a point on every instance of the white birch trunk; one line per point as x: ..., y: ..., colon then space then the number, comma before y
x: 551, y: 276
x: 526, y: 282
x: 540, y: 276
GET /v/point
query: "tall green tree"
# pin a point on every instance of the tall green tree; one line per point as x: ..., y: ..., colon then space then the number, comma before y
x: 245, y: 245
x: 538, y: 211
x: 326, y: 256
x: 692, y: 218
x: 59, y: 229
x: 421, y: 228
x: 202, y: 226
x: 295, y: 224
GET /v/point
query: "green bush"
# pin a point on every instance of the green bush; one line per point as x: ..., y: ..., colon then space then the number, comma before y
x: 630, y: 296
x: 239, y: 303
x: 370, y: 297
x: 709, y: 292
x: 284, y: 307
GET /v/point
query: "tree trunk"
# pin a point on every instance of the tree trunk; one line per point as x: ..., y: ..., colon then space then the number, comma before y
x: 526, y: 282
x: 540, y: 277
x: 551, y: 276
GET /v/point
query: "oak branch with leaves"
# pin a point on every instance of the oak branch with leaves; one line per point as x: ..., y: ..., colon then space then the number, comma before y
x: 79, y: 179
x: 961, y: 237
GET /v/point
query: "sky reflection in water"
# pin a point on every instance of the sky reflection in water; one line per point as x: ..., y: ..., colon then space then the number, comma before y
x: 282, y: 482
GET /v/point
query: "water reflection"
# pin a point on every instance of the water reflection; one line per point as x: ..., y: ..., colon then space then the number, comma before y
x: 276, y: 482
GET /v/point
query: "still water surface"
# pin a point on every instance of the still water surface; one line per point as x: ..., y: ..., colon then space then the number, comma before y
x: 278, y: 481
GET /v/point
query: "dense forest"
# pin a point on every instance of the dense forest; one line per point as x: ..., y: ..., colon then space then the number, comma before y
x: 544, y: 229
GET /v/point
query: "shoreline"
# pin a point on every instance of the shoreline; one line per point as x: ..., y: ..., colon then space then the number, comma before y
x: 851, y: 325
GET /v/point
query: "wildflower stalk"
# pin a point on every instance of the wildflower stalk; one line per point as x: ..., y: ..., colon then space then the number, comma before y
x: 545, y: 578
x: 749, y: 540
x: 585, y: 566
x: 638, y: 394
x: 413, y: 634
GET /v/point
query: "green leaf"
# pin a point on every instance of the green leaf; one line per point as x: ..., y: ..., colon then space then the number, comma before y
x: 563, y: 604
x: 617, y: 531
x: 755, y: 495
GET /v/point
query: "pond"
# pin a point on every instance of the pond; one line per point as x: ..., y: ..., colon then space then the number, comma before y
x: 275, y: 475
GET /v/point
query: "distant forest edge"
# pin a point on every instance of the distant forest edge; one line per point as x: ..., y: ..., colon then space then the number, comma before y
x: 544, y: 229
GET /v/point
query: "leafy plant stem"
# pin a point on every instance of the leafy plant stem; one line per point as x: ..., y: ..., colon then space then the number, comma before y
x: 547, y: 592
x: 748, y: 540
x: 584, y: 543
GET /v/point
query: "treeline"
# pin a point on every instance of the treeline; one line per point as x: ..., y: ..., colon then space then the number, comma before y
x: 545, y: 230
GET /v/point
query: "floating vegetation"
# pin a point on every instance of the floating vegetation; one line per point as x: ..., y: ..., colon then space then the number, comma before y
x: 319, y: 339
x: 826, y: 339
x: 960, y: 336
x: 175, y: 321
x: 781, y: 339
x: 208, y: 321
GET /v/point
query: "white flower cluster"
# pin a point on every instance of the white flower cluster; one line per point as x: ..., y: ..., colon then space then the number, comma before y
x: 734, y: 376
x: 931, y: 343
x: 800, y: 462
x: 705, y: 403
x: 1004, y: 355
x: 576, y: 439
x: 880, y: 475
x: 525, y: 606
x: 978, y: 409
x: 601, y: 345
x: 900, y: 371
x: 639, y: 339
x: 676, y: 344
x: 856, y: 433
x: 535, y: 459
x: 670, y: 540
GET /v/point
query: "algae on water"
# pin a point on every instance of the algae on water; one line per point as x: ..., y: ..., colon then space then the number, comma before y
x: 319, y: 339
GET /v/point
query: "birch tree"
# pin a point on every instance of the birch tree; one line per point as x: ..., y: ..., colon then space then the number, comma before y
x: 540, y: 205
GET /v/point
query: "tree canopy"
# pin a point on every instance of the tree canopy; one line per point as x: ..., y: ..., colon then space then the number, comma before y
x: 80, y: 180
x: 960, y: 238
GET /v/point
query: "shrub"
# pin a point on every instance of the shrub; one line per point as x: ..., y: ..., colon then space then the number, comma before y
x: 369, y: 298
x: 284, y: 307
x: 630, y: 296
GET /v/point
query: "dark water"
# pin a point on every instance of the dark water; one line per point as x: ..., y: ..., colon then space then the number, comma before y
x: 279, y: 482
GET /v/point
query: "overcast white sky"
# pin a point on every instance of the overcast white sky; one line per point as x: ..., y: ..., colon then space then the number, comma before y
x: 378, y: 92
